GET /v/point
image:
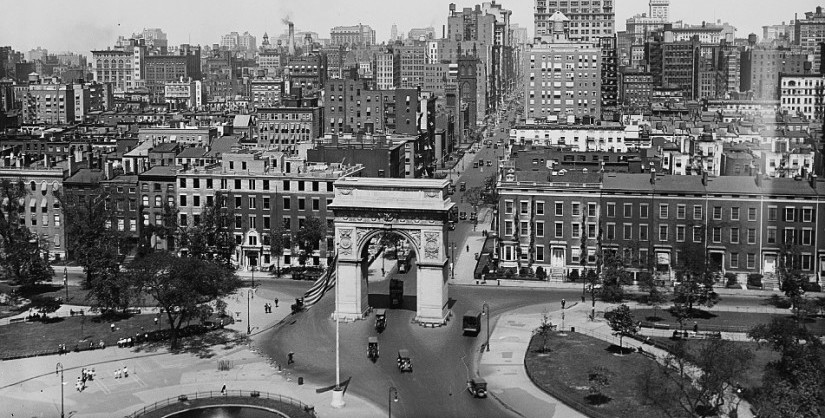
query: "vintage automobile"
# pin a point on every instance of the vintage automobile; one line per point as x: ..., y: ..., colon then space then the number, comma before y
x: 404, y: 361
x: 477, y: 387
x: 372, y: 348
x: 462, y: 186
x: 489, y: 163
x: 462, y: 216
x: 298, y: 305
x: 380, y: 320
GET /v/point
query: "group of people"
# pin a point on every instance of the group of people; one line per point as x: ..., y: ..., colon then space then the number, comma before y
x: 123, y: 372
x: 85, y: 375
x: 268, y: 306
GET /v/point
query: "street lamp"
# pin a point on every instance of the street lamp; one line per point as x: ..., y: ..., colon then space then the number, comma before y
x: 452, y: 259
x: 485, y: 309
x: 59, y: 367
x: 253, y: 275
x: 248, y: 324
x: 392, y: 396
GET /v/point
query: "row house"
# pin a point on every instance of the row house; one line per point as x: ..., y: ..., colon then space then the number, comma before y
x: 264, y: 194
x: 43, y: 213
x: 745, y: 224
x: 158, y: 197
x: 578, y: 137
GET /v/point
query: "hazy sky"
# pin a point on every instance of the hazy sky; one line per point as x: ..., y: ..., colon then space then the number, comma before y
x: 83, y: 25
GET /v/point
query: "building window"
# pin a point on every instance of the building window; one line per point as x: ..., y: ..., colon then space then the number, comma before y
x: 508, y: 228
x: 751, y: 235
x: 697, y: 212
x: 559, y: 230
x: 525, y: 207
x: 591, y: 210
x: 751, y: 214
x: 266, y: 202
x: 539, y: 208
x: 575, y: 255
x: 627, y: 231
x: 182, y: 200
x: 611, y: 231
x: 681, y: 211
x: 643, y: 210
x: 717, y: 234
x: 751, y: 261
x: 576, y: 209
x: 662, y: 233
x: 238, y: 222
x: 523, y: 228
x: 253, y: 222
x: 576, y: 230
x: 559, y: 209
x: 663, y: 208
x: 807, y: 214
x: 508, y: 207
x: 789, y: 214
x: 734, y: 260
x: 539, y: 229
x: 734, y: 235
x: 790, y: 234
x: 717, y: 213
x: 302, y: 205
x: 591, y: 231
x: 680, y: 233
x: 611, y: 210
x: 806, y: 262
x: 539, y: 253
x: 316, y: 204
x: 807, y: 236
x: 771, y: 235
x: 734, y: 213
x: 643, y: 232
x: 772, y: 213
x: 628, y: 210
x: 287, y: 203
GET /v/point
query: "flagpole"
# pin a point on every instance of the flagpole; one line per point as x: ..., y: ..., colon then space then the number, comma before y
x: 337, y: 393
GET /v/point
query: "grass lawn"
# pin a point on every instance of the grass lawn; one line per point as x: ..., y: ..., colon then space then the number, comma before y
x: 720, y: 320
x: 28, y: 338
x: 563, y: 372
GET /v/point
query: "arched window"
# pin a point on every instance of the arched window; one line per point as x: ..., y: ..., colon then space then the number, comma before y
x: 158, y: 201
x: 145, y: 200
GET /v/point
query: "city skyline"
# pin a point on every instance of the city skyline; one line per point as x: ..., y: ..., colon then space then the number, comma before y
x: 100, y: 23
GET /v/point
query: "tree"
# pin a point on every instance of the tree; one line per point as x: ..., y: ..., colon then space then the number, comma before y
x: 45, y: 304
x: 490, y: 190
x: 791, y: 278
x: 21, y: 251
x: 654, y: 297
x: 309, y: 236
x: 543, y: 331
x: 167, y: 230
x: 183, y: 287
x: 98, y: 247
x: 621, y: 321
x: 541, y: 274
x: 277, y: 244
x: 696, y: 275
x: 599, y: 378
x: 614, y: 276
x: 213, y: 238
x: 473, y: 196
x: 695, y: 384
x: 794, y: 385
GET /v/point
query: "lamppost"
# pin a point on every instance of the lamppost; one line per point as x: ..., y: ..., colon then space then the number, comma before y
x: 253, y: 275
x: 392, y: 396
x: 66, y: 282
x: 248, y: 324
x: 59, y: 368
x: 452, y: 260
x: 485, y: 309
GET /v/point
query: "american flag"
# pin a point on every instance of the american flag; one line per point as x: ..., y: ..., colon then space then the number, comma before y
x: 322, y: 285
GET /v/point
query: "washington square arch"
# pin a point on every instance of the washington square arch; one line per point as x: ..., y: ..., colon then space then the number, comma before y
x: 417, y: 210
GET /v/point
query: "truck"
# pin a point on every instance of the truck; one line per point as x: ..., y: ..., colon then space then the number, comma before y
x: 472, y: 322
x: 396, y: 292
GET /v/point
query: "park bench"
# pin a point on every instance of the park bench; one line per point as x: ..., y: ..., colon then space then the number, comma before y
x: 15, y: 320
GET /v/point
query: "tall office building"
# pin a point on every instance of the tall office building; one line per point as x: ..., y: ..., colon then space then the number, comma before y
x: 660, y: 9
x: 588, y: 22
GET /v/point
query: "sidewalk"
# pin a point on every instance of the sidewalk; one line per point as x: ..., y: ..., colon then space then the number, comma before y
x: 503, y: 365
x: 30, y: 388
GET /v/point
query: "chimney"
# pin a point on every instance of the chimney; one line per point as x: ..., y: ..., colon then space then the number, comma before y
x: 108, y: 171
x: 812, y: 180
x: 443, y: 31
x: 758, y: 180
x: 704, y: 178
x: 652, y: 176
x: 291, y: 38
x: 72, y: 165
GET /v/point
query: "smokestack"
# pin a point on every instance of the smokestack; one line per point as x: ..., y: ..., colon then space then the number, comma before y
x: 307, y: 44
x: 291, y: 38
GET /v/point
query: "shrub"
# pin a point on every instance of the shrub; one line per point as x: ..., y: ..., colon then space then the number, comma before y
x: 811, y: 286
x: 731, y: 279
x: 540, y: 273
x: 574, y: 275
x: 755, y: 279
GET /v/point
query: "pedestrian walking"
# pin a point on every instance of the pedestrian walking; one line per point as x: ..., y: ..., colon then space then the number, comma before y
x: 562, y: 303
x: 112, y: 327
x: 695, y: 326
x: 276, y: 302
x: 125, y: 372
x: 468, y: 248
x: 223, y: 390
x: 290, y: 359
x: 116, y: 373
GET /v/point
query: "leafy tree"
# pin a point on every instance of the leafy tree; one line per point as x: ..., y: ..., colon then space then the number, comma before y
x: 541, y: 274
x: 213, y: 237
x: 543, y: 331
x: 791, y: 278
x: 167, y: 230
x: 98, y: 247
x: 309, y: 236
x: 654, y: 297
x: 23, y: 255
x: 473, y: 196
x: 621, y: 321
x: 490, y: 191
x: 45, y: 304
x: 614, y: 275
x: 794, y: 385
x: 696, y: 275
x: 278, y: 242
x: 695, y: 385
x: 599, y: 377
x: 183, y: 287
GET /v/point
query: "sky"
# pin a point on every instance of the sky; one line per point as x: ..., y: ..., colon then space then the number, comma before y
x: 84, y: 25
